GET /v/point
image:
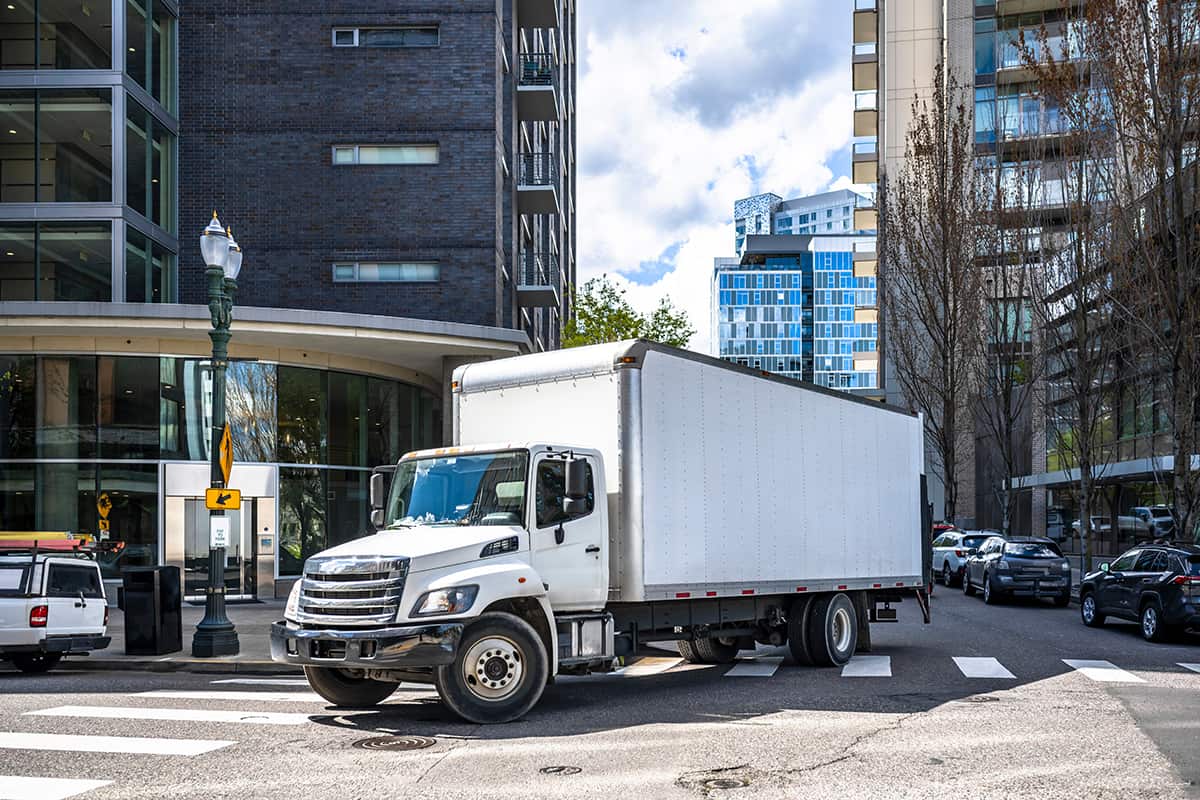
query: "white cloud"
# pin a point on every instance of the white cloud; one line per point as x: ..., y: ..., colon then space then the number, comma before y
x: 681, y: 106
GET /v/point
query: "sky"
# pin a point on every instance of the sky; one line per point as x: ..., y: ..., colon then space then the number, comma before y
x: 683, y: 107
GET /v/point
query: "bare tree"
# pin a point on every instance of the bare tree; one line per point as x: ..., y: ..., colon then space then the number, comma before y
x: 930, y: 284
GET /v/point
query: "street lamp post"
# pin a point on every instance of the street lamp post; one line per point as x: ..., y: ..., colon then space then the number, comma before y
x: 215, y: 635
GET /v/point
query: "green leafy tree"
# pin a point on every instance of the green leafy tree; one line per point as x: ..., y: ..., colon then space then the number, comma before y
x: 604, y: 314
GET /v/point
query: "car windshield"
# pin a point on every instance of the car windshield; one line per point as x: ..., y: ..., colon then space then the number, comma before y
x: 974, y: 541
x: 1160, y: 513
x: 1030, y: 550
x: 12, y: 579
x: 484, y: 489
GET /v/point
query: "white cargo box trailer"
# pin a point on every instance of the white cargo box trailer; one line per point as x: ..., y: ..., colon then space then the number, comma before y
x: 722, y: 481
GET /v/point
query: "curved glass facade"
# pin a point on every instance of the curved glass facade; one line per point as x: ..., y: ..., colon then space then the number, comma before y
x: 82, y: 431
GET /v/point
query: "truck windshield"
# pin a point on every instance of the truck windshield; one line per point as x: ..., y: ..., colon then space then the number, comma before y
x: 484, y: 489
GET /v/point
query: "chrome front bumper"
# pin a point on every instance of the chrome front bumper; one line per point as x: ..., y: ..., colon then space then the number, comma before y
x: 372, y: 648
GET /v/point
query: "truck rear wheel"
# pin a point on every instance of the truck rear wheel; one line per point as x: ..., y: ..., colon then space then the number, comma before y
x: 688, y: 651
x: 797, y: 631
x: 832, y: 630
x: 36, y: 662
x: 716, y: 651
x: 343, y: 689
x: 499, y: 672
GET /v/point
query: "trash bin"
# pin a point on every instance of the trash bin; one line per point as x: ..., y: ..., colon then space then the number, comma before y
x: 153, y: 622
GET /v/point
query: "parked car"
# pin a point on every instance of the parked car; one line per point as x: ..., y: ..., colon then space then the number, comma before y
x: 1155, y: 585
x: 1056, y: 527
x: 1129, y: 527
x: 950, y: 553
x: 1159, y: 518
x: 51, y: 604
x: 1018, y: 567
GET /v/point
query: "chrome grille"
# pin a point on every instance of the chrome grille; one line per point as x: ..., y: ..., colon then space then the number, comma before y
x: 358, y: 590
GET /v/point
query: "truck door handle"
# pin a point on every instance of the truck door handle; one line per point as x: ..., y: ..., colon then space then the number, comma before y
x: 592, y: 548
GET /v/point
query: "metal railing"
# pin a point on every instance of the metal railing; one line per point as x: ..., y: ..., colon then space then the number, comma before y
x: 538, y: 269
x: 538, y: 69
x: 537, y: 169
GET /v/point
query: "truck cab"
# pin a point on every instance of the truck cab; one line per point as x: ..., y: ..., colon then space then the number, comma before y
x: 513, y: 535
x: 51, y: 605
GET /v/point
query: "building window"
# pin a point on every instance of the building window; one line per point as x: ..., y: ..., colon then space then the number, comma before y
x: 149, y: 167
x: 402, y: 272
x: 45, y: 34
x: 149, y: 270
x: 57, y: 146
x: 347, y: 154
x: 56, y: 261
x: 150, y: 49
x: 404, y: 36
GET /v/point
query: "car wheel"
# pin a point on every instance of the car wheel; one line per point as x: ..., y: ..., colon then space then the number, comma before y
x: 990, y: 595
x: 967, y: 588
x: 36, y: 662
x: 1152, y: 628
x: 947, y: 576
x: 1089, y: 612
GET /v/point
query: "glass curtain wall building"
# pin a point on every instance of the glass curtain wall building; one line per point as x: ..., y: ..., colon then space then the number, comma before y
x: 88, y: 127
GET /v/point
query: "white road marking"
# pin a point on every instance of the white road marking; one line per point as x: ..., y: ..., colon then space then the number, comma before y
x: 981, y: 667
x: 1104, y: 671
x: 109, y: 744
x: 16, y: 787
x: 650, y: 665
x: 265, y: 681
x: 868, y: 667
x: 233, y: 694
x: 756, y: 668
x: 176, y: 714
x: 1192, y: 667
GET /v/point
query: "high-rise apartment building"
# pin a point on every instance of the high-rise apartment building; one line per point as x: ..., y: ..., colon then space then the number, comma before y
x: 800, y: 306
x: 827, y: 213
x: 402, y: 182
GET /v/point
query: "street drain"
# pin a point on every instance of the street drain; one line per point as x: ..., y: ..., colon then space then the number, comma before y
x: 395, y: 743
x: 981, y: 698
x: 726, y: 783
x: 560, y: 770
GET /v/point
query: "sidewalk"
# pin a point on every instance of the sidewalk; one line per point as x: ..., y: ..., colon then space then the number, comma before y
x: 253, y: 623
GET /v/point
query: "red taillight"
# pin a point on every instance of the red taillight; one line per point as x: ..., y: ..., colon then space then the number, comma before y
x: 38, y: 616
x: 959, y: 553
x: 1182, y: 579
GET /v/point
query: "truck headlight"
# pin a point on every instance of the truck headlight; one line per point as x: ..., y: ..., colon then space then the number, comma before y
x: 292, y: 610
x: 454, y: 600
x: 1002, y: 564
x: 1065, y: 566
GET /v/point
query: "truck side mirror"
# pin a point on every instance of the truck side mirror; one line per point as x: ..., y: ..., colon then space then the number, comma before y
x: 575, y: 501
x: 377, y: 500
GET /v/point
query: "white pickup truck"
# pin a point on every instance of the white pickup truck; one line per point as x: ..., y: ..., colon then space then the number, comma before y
x: 51, y: 604
x: 601, y: 498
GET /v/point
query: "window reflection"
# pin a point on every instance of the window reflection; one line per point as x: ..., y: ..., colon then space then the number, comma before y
x: 302, y: 431
x: 150, y: 51
x: 149, y: 167
x: 129, y: 409
x: 301, y: 517
x: 131, y: 492
x: 348, y: 419
x: 18, y: 408
x: 149, y: 270
x: 74, y: 261
x: 17, y: 498
x: 66, y: 389
x: 54, y: 34
x: 250, y: 396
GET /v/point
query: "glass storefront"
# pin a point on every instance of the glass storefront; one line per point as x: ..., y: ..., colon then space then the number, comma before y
x: 82, y: 431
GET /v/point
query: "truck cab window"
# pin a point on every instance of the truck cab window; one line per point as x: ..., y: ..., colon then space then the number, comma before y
x: 551, y: 489
x: 69, y: 581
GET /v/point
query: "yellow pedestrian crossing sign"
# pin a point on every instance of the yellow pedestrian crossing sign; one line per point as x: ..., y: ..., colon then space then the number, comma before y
x: 225, y: 454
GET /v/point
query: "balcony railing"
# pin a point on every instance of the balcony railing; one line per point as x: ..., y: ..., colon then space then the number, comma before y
x: 538, y: 69
x: 537, y: 279
x: 537, y: 169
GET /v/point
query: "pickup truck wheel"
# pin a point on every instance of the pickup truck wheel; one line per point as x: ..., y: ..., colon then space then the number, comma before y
x: 36, y: 662
x: 716, y: 651
x: 797, y: 631
x: 342, y: 689
x: 499, y: 672
x: 832, y: 630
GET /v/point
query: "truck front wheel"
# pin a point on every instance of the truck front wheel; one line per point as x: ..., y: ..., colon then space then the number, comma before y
x: 499, y: 672
x: 832, y: 630
x: 343, y: 689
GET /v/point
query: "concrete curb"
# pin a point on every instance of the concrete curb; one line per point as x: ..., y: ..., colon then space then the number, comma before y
x: 182, y: 665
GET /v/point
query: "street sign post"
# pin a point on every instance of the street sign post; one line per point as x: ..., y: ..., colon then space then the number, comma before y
x: 218, y: 532
x: 222, y: 499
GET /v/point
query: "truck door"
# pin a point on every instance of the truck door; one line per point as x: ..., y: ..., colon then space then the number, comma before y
x: 570, y: 553
x: 75, y: 598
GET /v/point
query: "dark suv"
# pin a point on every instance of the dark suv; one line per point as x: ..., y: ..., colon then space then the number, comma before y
x: 1156, y: 584
x: 1018, y: 567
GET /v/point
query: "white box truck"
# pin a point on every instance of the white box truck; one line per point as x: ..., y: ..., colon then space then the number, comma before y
x: 600, y: 498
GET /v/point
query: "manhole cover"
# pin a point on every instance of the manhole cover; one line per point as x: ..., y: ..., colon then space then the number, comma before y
x: 560, y: 770
x: 726, y: 783
x: 982, y: 698
x: 395, y: 743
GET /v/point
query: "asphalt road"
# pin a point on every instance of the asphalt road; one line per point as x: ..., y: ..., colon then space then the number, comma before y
x: 912, y: 725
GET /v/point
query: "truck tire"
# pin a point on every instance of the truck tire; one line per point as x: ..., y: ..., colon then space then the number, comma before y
x: 797, y: 631
x: 343, y: 689
x: 716, y: 651
x: 832, y: 630
x: 688, y: 651
x: 499, y: 672
x: 36, y: 662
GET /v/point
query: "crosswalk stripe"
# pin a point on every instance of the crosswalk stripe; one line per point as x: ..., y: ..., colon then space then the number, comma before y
x: 868, y: 667
x: 756, y: 668
x: 233, y: 694
x: 175, y: 714
x: 1104, y: 671
x: 981, y: 667
x: 1192, y: 667
x: 650, y: 665
x: 87, y: 743
x: 265, y: 681
x: 19, y: 787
